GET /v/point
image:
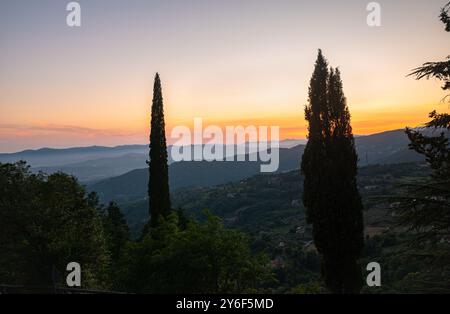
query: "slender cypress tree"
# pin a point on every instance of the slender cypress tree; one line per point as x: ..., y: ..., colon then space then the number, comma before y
x: 158, y: 186
x: 329, y: 165
x: 313, y: 159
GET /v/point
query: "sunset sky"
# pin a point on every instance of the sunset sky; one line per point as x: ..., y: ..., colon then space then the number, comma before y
x: 230, y: 62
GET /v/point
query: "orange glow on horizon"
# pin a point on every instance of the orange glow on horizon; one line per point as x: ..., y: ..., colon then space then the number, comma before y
x: 292, y: 125
x: 229, y: 62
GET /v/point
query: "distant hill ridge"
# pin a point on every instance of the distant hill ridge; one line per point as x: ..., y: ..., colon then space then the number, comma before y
x: 95, y: 163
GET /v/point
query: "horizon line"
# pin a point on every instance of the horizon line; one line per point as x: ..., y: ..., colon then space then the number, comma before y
x: 143, y: 144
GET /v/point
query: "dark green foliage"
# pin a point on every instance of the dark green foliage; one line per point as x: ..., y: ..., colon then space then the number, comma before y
x: 49, y: 221
x: 269, y: 224
x: 330, y: 196
x: 421, y: 268
x: 314, y: 287
x: 116, y: 230
x: 45, y: 223
x: 203, y: 258
x: 259, y: 203
x: 444, y: 16
x: 158, y: 187
x: 300, y: 267
x: 425, y: 208
x: 117, y: 235
x: 439, y: 70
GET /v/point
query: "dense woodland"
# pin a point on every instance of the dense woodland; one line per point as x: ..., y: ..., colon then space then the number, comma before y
x: 311, y: 230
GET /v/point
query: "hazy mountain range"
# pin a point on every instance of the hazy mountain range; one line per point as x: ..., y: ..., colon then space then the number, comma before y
x: 127, y: 162
x: 97, y: 162
x: 133, y: 185
x: 121, y: 174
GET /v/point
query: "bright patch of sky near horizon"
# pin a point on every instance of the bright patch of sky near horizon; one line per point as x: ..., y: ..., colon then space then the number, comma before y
x: 229, y: 62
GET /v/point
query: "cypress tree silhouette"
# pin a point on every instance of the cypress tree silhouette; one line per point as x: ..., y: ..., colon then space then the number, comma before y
x: 329, y: 166
x: 158, y: 186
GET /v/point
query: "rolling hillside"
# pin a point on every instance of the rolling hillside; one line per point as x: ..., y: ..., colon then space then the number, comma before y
x: 101, y: 168
x: 383, y: 148
x: 51, y: 157
x: 273, y: 202
x: 133, y: 185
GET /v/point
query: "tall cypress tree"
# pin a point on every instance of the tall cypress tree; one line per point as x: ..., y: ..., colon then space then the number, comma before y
x: 329, y: 165
x: 158, y: 186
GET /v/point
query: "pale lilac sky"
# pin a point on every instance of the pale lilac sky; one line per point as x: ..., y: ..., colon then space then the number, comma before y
x: 229, y: 62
